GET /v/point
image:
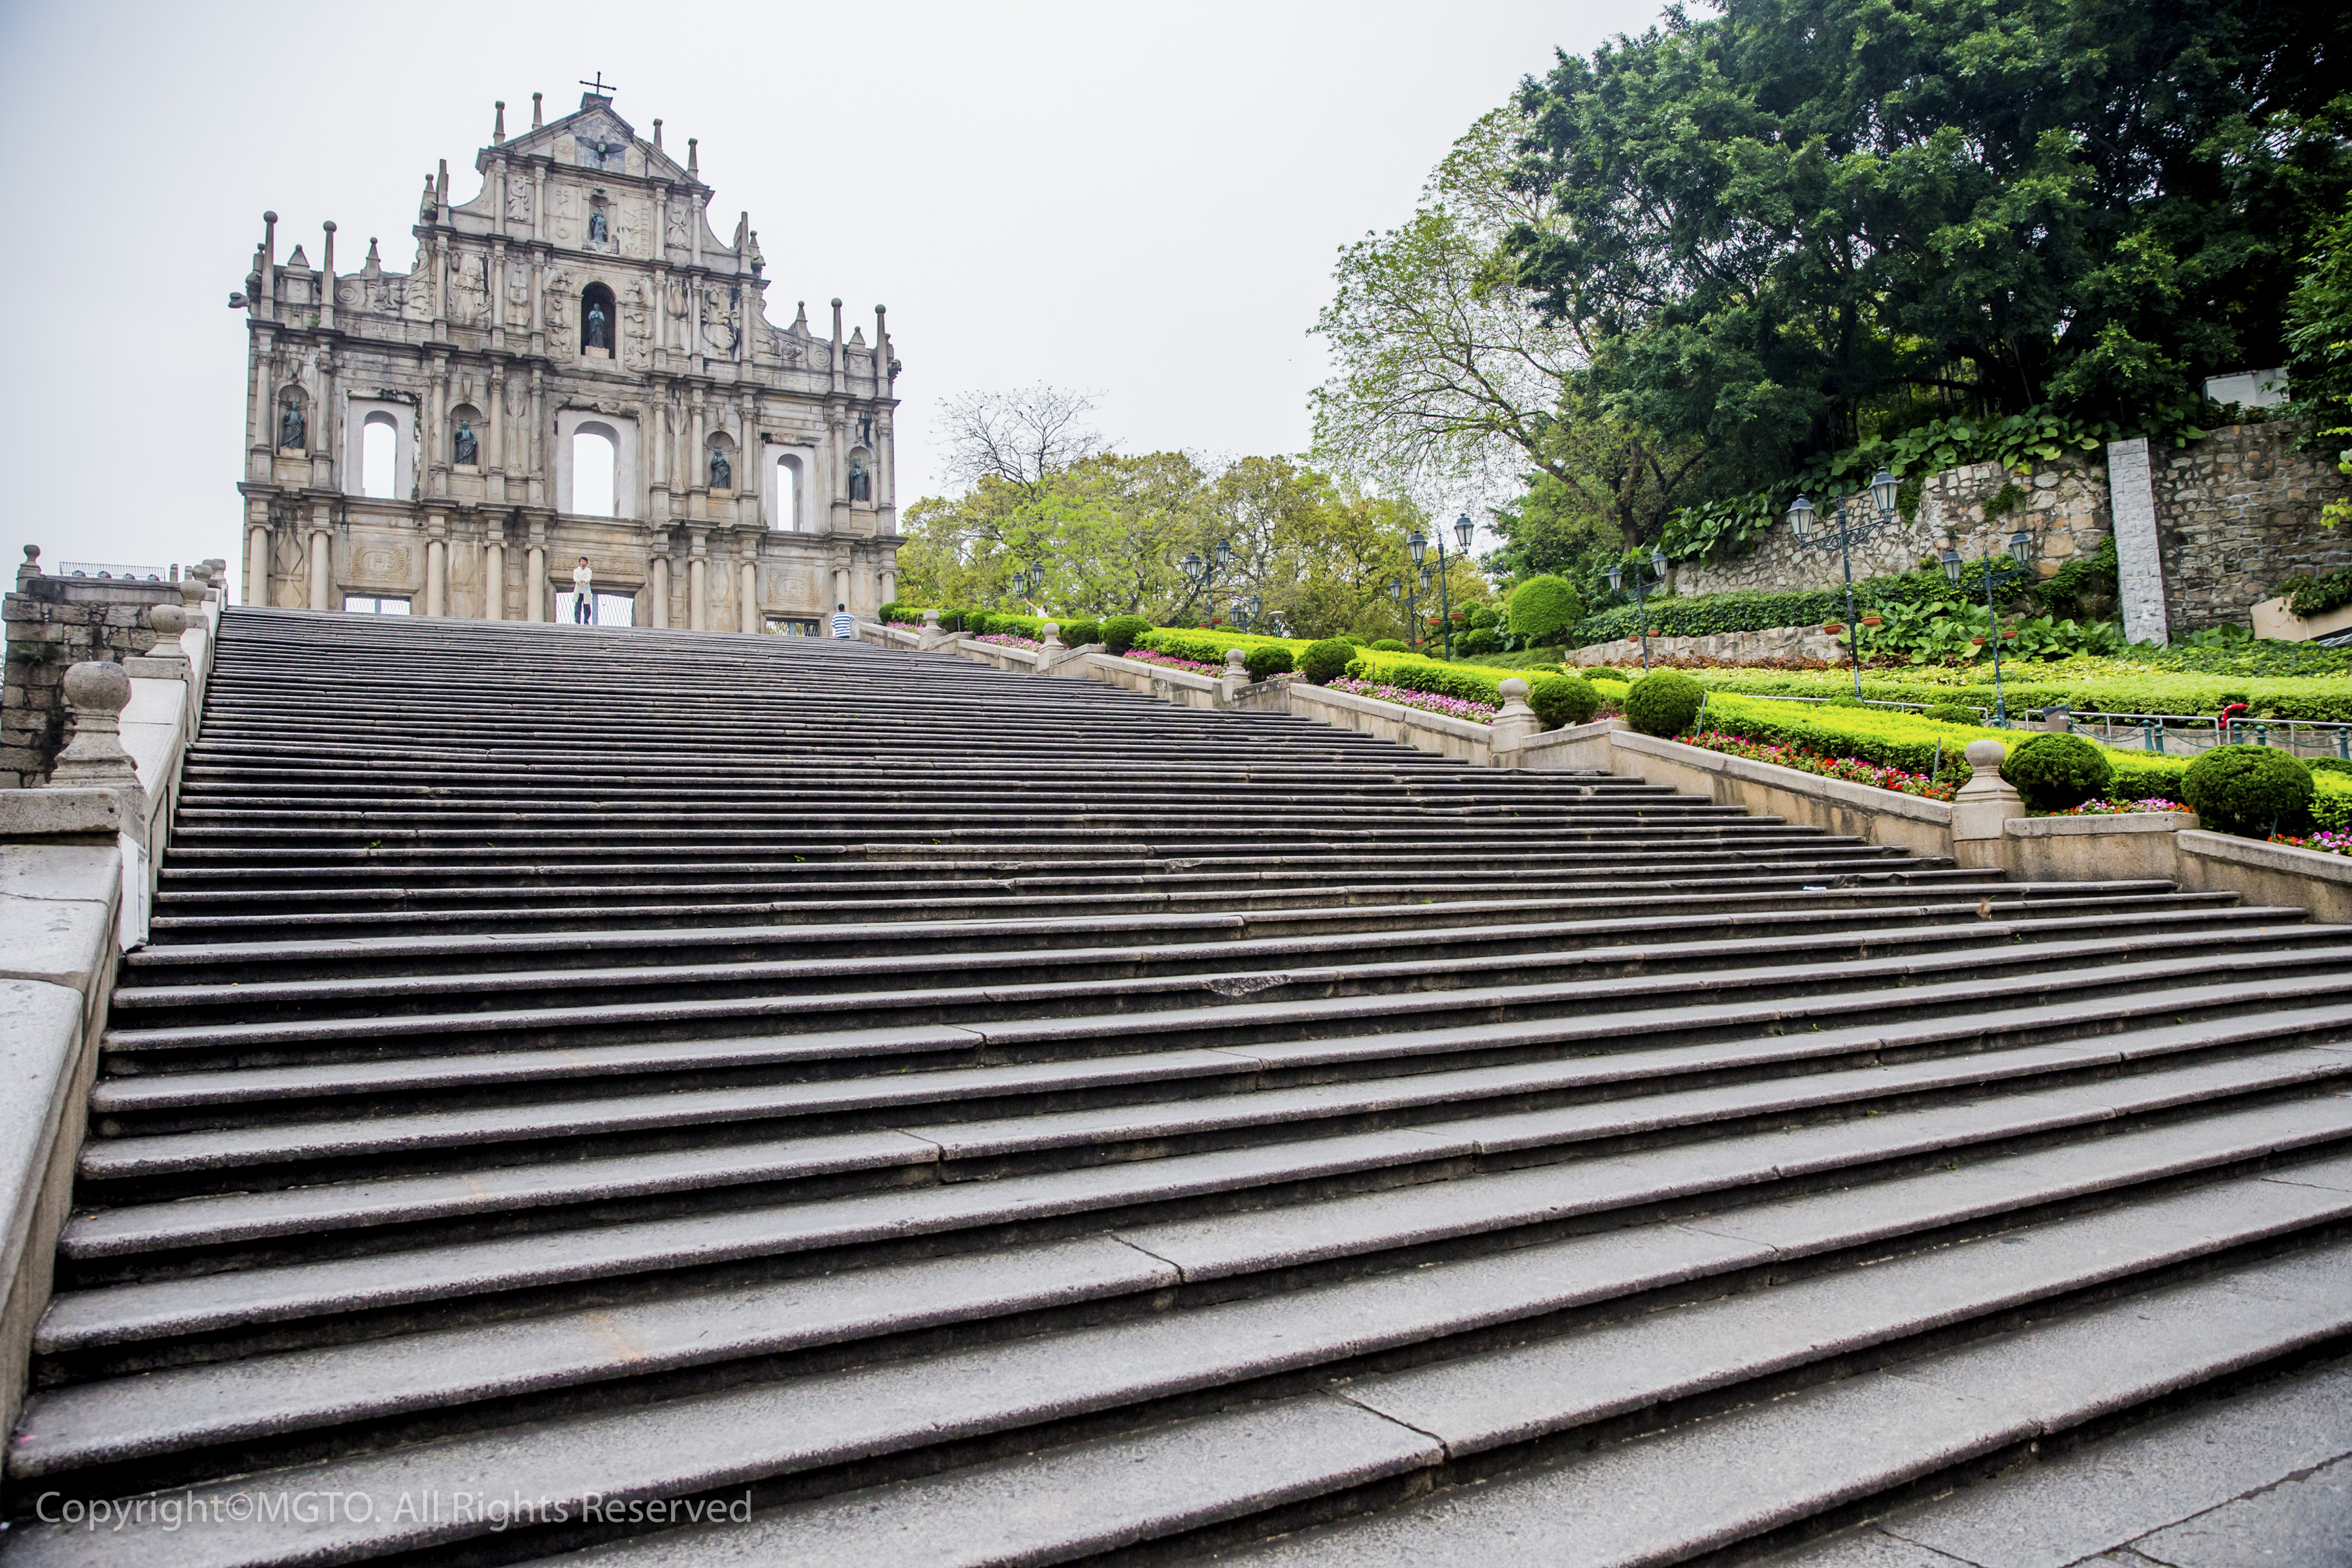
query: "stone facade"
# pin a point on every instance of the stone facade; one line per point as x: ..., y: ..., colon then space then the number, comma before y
x: 2235, y: 513
x: 2064, y: 504
x: 55, y: 622
x: 414, y: 436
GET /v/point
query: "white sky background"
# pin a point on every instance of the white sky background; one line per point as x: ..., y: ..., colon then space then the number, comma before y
x: 1141, y: 202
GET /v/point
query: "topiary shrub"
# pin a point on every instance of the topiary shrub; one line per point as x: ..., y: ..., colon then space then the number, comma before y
x: 1663, y: 702
x: 1607, y: 672
x: 2330, y: 765
x: 1326, y: 660
x: 950, y: 617
x: 1480, y: 640
x: 2252, y: 790
x: 1077, y: 634
x: 1560, y: 700
x: 1351, y: 638
x: 1846, y: 699
x: 1389, y: 645
x: 1953, y: 713
x: 1119, y: 632
x: 2055, y: 772
x: 1262, y: 662
x: 1543, y: 608
x: 1480, y: 617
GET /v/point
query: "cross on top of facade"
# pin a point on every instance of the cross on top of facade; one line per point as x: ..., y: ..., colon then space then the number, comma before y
x: 598, y: 87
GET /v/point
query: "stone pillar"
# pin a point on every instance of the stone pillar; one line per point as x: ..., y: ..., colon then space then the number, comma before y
x: 1237, y: 680
x: 840, y: 587
x: 657, y: 589
x: 931, y: 637
x: 698, y: 592
x: 1981, y: 815
x: 322, y: 567
x: 889, y: 586
x: 749, y: 600
x: 1514, y: 722
x: 436, y: 568
x: 534, y: 583
x: 495, y: 457
x: 96, y: 692
x: 2139, y: 558
x: 256, y: 563
x: 494, y: 578
x: 168, y: 660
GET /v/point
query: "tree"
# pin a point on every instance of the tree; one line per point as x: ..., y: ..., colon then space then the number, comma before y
x: 1020, y: 439
x: 1449, y: 381
x: 2319, y: 344
x: 1785, y: 227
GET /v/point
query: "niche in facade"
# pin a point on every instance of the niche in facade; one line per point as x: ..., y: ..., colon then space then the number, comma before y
x: 466, y: 435
x: 292, y: 417
x: 599, y: 323
x: 719, y: 463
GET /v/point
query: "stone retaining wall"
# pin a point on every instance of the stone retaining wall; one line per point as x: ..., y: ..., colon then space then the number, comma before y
x: 2236, y: 513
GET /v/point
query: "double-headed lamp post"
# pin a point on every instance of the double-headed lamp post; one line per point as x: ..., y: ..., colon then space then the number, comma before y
x: 1464, y: 529
x: 1642, y: 595
x: 2021, y: 551
x: 1203, y: 575
x: 1843, y: 538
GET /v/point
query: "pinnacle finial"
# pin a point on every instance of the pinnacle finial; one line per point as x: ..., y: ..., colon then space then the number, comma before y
x: 535, y: 120
x: 658, y: 146
x: 693, y: 155
x: 498, y: 125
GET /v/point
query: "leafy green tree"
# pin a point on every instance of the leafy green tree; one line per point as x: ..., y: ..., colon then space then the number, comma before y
x: 1792, y: 225
x: 2319, y: 340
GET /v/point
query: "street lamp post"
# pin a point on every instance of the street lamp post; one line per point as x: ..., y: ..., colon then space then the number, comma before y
x: 1843, y: 538
x: 2021, y: 551
x: 1640, y: 595
x: 1463, y: 531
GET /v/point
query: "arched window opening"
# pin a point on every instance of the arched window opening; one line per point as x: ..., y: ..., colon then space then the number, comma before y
x: 595, y: 459
x: 600, y: 324
x: 380, y: 457
x: 785, y: 494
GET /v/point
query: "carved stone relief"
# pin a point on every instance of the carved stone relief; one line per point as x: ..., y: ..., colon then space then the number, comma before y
x: 469, y: 290
x: 518, y: 294
x: 383, y: 566
x: 559, y: 299
x: 518, y: 199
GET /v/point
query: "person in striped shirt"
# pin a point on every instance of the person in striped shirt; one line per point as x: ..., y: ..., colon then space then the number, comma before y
x: 844, y: 624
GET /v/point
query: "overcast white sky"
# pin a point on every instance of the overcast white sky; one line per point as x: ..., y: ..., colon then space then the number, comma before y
x: 1142, y: 202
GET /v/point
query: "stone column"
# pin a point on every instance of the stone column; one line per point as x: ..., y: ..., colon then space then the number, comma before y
x: 534, y: 583
x: 840, y: 587
x: 698, y: 589
x: 323, y: 572
x: 2139, y: 557
x: 436, y: 565
x: 750, y: 578
x: 538, y: 455
x: 1981, y: 815
x: 1236, y: 678
x: 889, y: 586
x: 931, y: 637
x: 494, y: 578
x: 658, y: 588
x: 497, y: 455
x: 256, y: 563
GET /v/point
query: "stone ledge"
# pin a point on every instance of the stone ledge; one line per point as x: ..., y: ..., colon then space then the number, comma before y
x: 2313, y: 863
x: 1185, y: 679
x: 2099, y: 826
x: 44, y: 1080
x: 1396, y: 713
x: 63, y: 814
x: 1796, y: 781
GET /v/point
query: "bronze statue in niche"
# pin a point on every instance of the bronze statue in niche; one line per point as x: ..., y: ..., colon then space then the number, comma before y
x: 722, y: 473
x: 292, y: 427
x: 861, y: 485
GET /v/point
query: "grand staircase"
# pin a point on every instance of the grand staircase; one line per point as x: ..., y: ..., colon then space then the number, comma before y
x: 693, y: 1099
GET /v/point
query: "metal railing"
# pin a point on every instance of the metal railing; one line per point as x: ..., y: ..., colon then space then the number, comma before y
x: 2166, y: 734
x: 107, y: 571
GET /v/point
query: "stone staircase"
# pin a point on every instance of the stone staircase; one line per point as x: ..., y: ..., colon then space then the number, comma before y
x: 912, y: 1113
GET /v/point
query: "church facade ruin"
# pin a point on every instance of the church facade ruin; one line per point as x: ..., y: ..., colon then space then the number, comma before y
x: 576, y: 365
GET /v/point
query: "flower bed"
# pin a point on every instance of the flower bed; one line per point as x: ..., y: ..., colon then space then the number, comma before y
x: 1427, y: 702
x: 2326, y: 841
x: 1173, y: 662
x: 2116, y: 807
x: 1006, y: 639
x: 1854, y: 769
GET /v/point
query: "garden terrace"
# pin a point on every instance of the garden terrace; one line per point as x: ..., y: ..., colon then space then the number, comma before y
x: 973, y: 1117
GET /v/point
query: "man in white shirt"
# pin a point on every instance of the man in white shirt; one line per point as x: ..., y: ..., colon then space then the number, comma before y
x: 584, y: 594
x: 844, y: 624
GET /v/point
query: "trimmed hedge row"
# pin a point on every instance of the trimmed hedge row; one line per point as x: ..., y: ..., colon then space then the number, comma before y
x: 2085, y: 685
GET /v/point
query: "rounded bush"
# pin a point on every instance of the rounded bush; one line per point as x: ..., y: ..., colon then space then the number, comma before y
x: 1544, y: 607
x: 1479, y: 617
x: 1119, y: 632
x: 1390, y: 645
x: 1560, y: 700
x: 1846, y: 699
x: 1078, y: 634
x: 1262, y: 662
x: 1606, y: 672
x: 2254, y: 791
x: 2055, y: 772
x: 1476, y: 641
x: 1663, y: 702
x: 1351, y: 638
x: 1953, y: 713
x: 1326, y: 660
x: 2330, y: 765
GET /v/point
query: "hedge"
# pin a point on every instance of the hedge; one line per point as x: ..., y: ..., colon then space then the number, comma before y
x: 2086, y: 685
x: 1746, y: 610
x: 1209, y: 646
